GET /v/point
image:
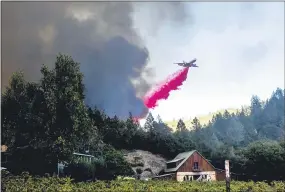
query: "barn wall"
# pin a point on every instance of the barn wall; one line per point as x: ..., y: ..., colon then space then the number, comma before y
x: 189, y: 163
x: 180, y: 175
x: 221, y: 175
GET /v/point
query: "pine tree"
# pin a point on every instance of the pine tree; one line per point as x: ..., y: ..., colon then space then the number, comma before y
x: 149, y: 122
x: 226, y: 115
x: 159, y: 120
x: 196, y: 124
x: 181, y: 125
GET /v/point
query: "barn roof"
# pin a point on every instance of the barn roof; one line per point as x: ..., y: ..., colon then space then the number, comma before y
x: 183, y: 156
x: 174, y: 160
x: 180, y: 156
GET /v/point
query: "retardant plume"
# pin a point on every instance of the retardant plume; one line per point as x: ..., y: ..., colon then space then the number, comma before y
x: 163, y: 90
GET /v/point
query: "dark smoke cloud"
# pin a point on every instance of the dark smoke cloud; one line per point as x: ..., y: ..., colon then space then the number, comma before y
x: 100, y: 36
x: 173, y: 14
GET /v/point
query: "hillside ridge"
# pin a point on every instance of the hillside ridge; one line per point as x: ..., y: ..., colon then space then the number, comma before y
x: 204, y: 119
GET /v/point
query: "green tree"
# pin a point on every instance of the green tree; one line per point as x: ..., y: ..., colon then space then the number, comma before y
x: 114, y: 164
x: 14, y: 105
x: 196, y: 124
x: 23, y: 130
x: 70, y: 127
x: 181, y: 125
x: 131, y: 129
x: 265, y: 157
x: 48, y: 118
x: 273, y: 116
x: 149, y: 122
x: 250, y: 133
x: 256, y: 112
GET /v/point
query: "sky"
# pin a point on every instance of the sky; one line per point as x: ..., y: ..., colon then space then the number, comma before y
x: 239, y: 49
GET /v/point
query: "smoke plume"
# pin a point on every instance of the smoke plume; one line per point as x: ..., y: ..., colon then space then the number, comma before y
x: 99, y: 35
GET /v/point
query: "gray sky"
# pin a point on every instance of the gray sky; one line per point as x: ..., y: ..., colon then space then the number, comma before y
x: 239, y: 48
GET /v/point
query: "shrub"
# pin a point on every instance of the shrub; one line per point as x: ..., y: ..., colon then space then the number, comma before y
x: 80, y: 170
x: 114, y: 164
x: 29, y: 183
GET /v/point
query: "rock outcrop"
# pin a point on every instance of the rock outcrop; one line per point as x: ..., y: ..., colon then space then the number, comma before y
x: 149, y: 164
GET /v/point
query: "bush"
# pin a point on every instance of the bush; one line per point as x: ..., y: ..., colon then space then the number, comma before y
x: 80, y: 171
x: 114, y: 165
x: 108, y: 166
x: 28, y: 183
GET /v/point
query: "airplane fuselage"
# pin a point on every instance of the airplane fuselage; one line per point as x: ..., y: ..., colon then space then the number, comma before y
x: 188, y: 64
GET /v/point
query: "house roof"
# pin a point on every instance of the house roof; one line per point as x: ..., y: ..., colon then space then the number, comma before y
x: 184, y: 156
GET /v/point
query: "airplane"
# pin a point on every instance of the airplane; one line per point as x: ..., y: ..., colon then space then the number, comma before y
x: 188, y: 64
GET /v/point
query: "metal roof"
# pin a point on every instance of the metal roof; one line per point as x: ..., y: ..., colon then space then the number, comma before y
x: 174, y: 160
x: 184, y: 156
x: 81, y: 154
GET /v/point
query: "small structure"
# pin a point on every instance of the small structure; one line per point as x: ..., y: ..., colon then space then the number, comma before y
x: 80, y: 156
x: 4, y: 148
x: 4, y: 156
x: 85, y: 157
x: 190, y: 166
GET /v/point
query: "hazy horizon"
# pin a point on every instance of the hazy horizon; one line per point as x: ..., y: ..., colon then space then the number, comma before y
x: 239, y: 49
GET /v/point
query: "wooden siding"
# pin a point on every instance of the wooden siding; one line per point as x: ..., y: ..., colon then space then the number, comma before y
x: 189, y: 163
x: 220, y: 175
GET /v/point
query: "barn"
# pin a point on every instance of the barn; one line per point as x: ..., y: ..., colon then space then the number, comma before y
x: 190, y: 166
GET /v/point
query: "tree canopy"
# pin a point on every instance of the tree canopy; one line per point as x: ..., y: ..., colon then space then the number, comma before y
x: 45, y: 122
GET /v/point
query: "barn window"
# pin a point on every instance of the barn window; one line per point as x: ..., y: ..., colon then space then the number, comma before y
x: 196, y: 165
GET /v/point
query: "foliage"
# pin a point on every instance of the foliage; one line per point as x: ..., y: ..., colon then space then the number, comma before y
x: 181, y: 125
x: 115, y: 164
x: 45, y: 122
x: 28, y: 183
x: 81, y: 170
x: 265, y: 157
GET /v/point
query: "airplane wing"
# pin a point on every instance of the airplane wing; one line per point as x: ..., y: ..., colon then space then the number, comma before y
x: 179, y: 63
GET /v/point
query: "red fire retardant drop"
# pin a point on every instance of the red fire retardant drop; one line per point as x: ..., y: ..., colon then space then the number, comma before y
x: 163, y: 89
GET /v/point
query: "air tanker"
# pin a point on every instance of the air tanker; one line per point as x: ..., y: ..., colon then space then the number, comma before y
x: 188, y: 64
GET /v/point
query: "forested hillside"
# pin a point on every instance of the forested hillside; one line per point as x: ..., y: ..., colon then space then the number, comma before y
x: 45, y: 122
x: 204, y: 119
